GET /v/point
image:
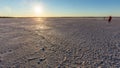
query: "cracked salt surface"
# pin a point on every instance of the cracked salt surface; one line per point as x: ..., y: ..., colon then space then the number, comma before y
x: 59, y: 43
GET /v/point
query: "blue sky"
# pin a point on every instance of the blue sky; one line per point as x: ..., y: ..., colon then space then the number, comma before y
x: 60, y: 7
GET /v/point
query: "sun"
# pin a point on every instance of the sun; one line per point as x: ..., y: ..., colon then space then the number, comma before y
x: 38, y: 10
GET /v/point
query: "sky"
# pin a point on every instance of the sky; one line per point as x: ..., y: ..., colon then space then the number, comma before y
x: 59, y: 8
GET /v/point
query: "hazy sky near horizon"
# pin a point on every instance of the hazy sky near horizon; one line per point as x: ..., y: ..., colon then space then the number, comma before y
x: 51, y: 8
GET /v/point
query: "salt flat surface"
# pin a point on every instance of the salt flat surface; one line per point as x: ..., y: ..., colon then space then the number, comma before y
x: 59, y: 43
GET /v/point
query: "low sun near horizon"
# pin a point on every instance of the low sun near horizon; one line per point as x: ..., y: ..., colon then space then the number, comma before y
x: 38, y: 10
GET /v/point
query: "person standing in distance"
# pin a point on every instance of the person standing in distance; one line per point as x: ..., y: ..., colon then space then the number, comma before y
x: 110, y: 18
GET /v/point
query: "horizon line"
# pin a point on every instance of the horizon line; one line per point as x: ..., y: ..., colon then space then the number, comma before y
x: 56, y: 17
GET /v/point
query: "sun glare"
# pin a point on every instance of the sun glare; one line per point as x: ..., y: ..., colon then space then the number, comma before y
x: 38, y: 10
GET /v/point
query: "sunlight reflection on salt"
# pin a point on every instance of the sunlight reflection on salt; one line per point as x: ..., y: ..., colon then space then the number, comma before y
x: 40, y: 23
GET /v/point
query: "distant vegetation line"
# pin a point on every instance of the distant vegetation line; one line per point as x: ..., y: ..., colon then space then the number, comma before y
x: 55, y: 17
